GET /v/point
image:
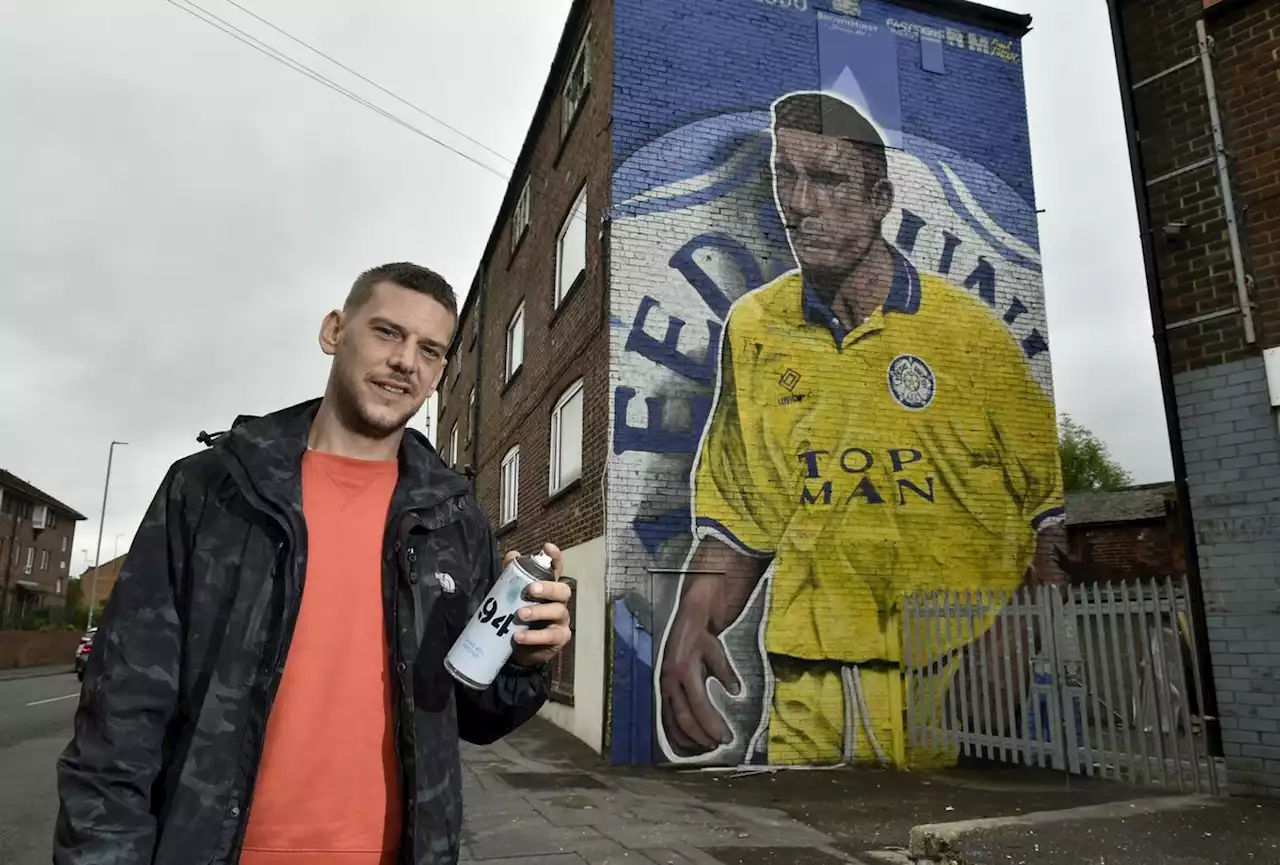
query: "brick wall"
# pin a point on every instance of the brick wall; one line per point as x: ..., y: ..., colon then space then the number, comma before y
x: 1233, y: 462
x: 1127, y: 551
x: 1228, y: 430
x: 1172, y: 118
x: 37, y: 649
x: 696, y: 238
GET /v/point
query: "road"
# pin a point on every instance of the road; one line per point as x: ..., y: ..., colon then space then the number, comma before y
x: 35, y: 725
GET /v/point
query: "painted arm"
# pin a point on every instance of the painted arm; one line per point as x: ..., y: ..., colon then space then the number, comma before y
x: 713, y: 593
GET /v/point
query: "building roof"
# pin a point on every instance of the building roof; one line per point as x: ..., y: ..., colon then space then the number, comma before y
x: 10, y: 481
x: 977, y: 14
x: 1132, y: 504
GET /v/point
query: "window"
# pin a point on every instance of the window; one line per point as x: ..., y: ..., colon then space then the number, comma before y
x: 520, y: 218
x: 20, y: 508
x: 58, y: 590
x: 515, y: 342
x: 571, y: 250
x: 510, y: 486
x: 453, y: 445
x: 51, y: 520
x: 44, y: 560
x: 575, y: 87
x: 31, y: 558
x: 566, y: 438
x: 64, y: 543
x: 471, y: 416
x: 562, y: 666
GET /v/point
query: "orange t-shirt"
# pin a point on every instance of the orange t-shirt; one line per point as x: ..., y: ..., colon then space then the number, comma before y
x: 328, y: 789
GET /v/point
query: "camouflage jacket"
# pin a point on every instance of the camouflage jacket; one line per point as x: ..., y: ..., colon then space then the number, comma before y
x: 191, y: 647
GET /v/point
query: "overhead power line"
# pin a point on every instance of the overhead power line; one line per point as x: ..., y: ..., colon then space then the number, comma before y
x: 201, y: 14
x: 205, y: 16
x: 424, y: 112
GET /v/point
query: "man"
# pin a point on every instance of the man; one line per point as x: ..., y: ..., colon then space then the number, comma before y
x: 876, y: 432
x: 267, y: 684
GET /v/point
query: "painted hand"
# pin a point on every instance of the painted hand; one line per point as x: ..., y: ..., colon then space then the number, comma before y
x: 550, y: 629
x: 693, y: 649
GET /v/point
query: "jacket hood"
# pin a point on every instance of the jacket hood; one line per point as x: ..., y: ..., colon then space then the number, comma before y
x: 270, y: 450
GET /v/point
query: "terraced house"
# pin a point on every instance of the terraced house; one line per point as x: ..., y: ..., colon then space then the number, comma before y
x: 36, y: 533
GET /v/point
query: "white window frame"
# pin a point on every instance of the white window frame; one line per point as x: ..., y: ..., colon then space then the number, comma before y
x: 576, y: 221
x: 44, y: 560
x: 510, y: 487
x: 31, y: 558
x: 520, y: 216
x: 64, y: 543
x: 513, y: 362
x: 471, y: 415
x: 453, y: 445
x: 576, y: 85
x: 558, y: 480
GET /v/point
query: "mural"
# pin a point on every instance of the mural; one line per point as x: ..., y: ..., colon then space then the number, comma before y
x: 831, y: 382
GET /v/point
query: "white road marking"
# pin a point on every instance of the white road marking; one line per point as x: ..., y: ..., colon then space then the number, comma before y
x: 54, y: 699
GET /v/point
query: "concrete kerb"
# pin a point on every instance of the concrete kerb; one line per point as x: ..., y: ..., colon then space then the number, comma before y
x: 935, y: 842
x: 16, y: 673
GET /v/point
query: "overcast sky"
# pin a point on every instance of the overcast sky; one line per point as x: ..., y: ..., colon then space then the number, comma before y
x: 182, y: 211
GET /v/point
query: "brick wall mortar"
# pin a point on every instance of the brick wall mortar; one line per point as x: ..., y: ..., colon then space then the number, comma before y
x: 1236, y: 513
x: 1196, y: 273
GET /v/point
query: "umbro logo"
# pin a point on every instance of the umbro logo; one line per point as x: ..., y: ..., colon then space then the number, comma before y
x: 789, y: 381
x: 447, y: 585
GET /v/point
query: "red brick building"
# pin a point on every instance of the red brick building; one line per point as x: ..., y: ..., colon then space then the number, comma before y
x: 1200, y: 87
x: 36, y: 532
x: 524, y: 406
x: 1128, y: 534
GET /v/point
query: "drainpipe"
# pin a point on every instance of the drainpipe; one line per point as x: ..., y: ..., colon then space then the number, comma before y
x: 481, y: 276
x: 1161, y: 336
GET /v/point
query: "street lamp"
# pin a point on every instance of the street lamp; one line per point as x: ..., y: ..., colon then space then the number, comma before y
x: 102, y: 519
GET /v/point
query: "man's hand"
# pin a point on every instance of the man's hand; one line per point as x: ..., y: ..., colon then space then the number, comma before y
x: 550, y: 628
x: 693, y: 648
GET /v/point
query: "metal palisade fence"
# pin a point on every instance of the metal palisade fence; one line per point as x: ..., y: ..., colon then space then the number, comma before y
x: 1099, y: 680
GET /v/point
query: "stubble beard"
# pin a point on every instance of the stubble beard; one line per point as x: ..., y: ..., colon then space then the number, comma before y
x: 356, y: 416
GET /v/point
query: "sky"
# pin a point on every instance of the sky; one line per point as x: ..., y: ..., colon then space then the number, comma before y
x: 185, y: 211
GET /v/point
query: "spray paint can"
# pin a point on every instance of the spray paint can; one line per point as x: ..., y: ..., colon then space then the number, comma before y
x: 486, y: 642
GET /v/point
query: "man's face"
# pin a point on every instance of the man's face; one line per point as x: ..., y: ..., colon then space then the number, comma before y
x: 831, y: 214
x: 388, y: 356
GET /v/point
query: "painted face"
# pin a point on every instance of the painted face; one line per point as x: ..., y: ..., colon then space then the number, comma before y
x: 388, y: 357
x: 831, y: 213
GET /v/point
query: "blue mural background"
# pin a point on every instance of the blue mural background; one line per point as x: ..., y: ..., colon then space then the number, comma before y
x: 696, y: 226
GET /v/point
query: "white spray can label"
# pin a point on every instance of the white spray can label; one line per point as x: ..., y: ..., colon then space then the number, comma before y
x: 486, y: 642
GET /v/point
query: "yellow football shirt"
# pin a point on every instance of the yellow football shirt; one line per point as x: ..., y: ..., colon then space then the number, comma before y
x: 913, y: 453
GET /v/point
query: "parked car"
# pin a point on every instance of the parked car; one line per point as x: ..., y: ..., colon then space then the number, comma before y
x: 82, y: 652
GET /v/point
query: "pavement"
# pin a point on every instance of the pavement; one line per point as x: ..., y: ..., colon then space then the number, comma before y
x: 540, y: 797
x: 587, y: 811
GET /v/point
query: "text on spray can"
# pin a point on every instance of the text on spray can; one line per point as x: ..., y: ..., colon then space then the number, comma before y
x: 487, y: 641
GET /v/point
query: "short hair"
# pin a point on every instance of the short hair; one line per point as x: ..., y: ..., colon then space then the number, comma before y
x: 406, y: 275
x: 824, y: 114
